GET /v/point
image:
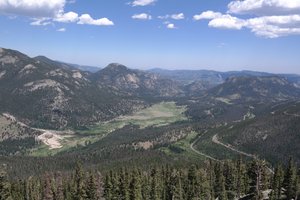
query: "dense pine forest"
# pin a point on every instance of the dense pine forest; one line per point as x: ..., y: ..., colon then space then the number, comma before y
x: 215, y: 180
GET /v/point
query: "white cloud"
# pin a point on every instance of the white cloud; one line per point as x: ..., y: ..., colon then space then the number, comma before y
x: 274, y: 18
x: 142, y: 16
x: 61, y: 30
x: 142, y: 2
x: 171, y: 26
x: 178, y: 16
x: 87, y: 19
x: 264, y: 7
x: 227, y: 22
x: 207, y: 15
x: 66, y: 17
x: 32, y: 8
x: 45, y: 12
x: 41, y: 22
x: 275, y: 26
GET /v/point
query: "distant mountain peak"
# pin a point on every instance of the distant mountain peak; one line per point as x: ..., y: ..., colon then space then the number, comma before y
x: 116, y: 67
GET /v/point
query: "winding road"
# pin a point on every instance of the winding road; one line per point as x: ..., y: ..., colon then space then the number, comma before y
x: 216, y: 140
x: 198, y: 152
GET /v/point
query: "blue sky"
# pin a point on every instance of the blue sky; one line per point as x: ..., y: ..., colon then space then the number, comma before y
x: 261, y: 35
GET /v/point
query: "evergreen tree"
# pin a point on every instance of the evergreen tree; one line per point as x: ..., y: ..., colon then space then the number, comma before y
x: 108, y: 195
x: 146, y: 187
x: 135, y: 186
x: 91, y: 191
x: 4, y: 187
x: 80, y: 193
x: 290, y: 180
x: 193, y: 185
x: 59, y: 194
x: 211, y: 178
x: 99, y: 185
x: 124, y: 184
x: 155, y: 193
x: 220, y: 188
x: 298, y: 186
x: 205, y: 185
x: 277, y: 183
x: 176, y: 187
x: 240, y: 178
x: 256, y: 173
x: 230, y: 174
x: 47, y: 192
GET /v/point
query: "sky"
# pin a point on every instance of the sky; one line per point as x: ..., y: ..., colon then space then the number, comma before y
x: 223, y: 35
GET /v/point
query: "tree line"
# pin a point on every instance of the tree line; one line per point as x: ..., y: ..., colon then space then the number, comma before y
x: 214, y: 180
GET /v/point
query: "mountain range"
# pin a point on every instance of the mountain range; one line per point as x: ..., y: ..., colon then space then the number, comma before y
x: 127, y: 107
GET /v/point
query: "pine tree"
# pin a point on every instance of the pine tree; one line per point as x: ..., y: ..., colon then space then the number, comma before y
x: 220, y: 188
x: 4, y: 187
x: 298, y: 186
x: 47, y: 192
x: 146, y: 187
x: 256, y: 173
x: 91, y: 191
x: 240, y: 176
x: 80, y: 193
x: 108, y: 195
x: 211, y: 179
x: 135, y: 186
x: 176, y: 186
x: 155, y: 193
x: 204, y: 182
x: 124, y: 184
x: 167, y: 186
x: 277, y: 183
x: 192, y: 183
x: 230, y: 173
x: 290, y: 180
x: 59, y: 194
x: 99, y: 185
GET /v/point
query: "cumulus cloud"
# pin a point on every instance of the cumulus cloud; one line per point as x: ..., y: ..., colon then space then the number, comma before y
x: 264, y: 7
x: 272, y: 18
x: 142, y: 2
x: 87, y: 19
x: 171, y: 26
x: 142, y: 16
x: 66, y: 17
x: 45, y: 12
x: 61, y: 30
x: 227, y: 22
x: 32, y: 8
x: 207, y: 15
x: 275, y: 26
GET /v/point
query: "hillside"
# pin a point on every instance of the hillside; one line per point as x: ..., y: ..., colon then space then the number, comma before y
x: 45, y: 94
x: 120, y: 115
x: 272, y: 136
x: 135, y: 82
x: 241, y: 97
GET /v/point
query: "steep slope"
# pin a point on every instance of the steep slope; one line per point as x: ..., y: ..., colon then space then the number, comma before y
x: 135, y: 82
x: 241, y: 97
x: 249, y: 88
x: 273, y: 135
x: 43, y: 94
